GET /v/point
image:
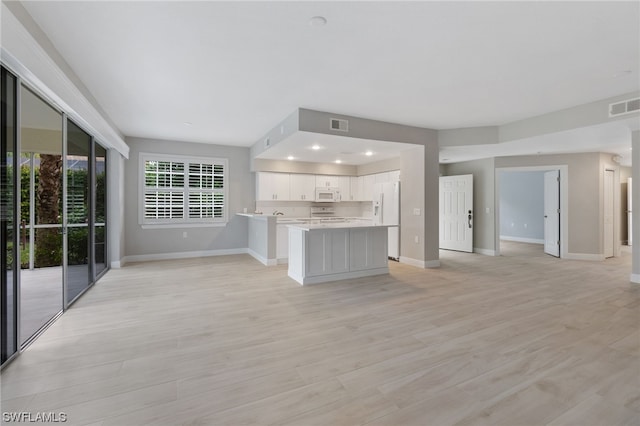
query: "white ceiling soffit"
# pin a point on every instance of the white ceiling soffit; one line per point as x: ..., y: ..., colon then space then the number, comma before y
x: 330, y: 148
x: 614, y: 138
x: 234, y: 69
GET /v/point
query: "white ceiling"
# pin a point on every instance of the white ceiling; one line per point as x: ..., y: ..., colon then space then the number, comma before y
x: 236, y: 69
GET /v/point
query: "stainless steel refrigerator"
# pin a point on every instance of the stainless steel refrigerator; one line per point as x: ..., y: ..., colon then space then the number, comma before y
x: 386, y: 211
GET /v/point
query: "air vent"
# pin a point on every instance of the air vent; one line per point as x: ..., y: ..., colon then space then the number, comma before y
x: 624, y: 107
x: 339, y: 125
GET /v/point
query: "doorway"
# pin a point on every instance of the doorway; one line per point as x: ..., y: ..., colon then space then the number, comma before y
x: 525, y: 195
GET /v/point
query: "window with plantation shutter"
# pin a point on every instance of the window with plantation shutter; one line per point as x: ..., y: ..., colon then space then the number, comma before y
x: 183, y: 190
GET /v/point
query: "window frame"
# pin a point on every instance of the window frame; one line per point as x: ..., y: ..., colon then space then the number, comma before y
x: 186, y: 190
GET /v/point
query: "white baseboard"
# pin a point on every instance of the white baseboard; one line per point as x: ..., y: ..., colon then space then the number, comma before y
x: 420, y: 263
x: 261, y: 259
x: 584, y: 256
x: 182, y: 255
x: 485, y: 252
x: 117, y: 264
x: 635, y: 278
x: 522, y: 240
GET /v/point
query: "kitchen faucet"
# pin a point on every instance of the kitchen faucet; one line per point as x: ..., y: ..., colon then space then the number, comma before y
x: 277, y: 213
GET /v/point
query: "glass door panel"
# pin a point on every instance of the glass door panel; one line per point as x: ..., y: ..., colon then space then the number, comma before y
x: 41, y: 280
x: 8, y: 235
x: 100, y: 237
x: 78, y: 211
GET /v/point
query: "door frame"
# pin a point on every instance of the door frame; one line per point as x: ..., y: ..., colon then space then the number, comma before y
x: 564, y: 202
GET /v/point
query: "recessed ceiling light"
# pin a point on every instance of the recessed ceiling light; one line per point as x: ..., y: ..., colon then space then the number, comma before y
x: 368, y: 153
x: 318, y: 21
x: 338, y: 161
x: 290, y: 157
x: 315, y: 147
x: 188, y: 123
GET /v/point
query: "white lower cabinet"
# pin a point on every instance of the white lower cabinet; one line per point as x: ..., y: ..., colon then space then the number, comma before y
x: 327, y: 252
x: 368, y: 248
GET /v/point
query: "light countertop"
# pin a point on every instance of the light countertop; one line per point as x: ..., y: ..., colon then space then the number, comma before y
x: 335, y: 225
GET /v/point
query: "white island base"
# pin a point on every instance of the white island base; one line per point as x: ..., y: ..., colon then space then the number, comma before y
x: 321, y: 253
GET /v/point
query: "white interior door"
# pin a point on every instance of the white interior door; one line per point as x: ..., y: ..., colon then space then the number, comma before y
x: 609, y: 183
x: 552, y: 213
x: 456, y: 213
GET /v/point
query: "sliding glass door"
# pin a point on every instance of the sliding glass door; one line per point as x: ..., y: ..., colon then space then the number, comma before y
x: 100, y: 211
x: 53, y: 218
x: 8, y: 235
x: 41, y: 194
x: 79, y: 273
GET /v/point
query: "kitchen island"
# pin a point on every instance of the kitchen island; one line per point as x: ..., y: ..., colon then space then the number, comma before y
x: 336, y: 251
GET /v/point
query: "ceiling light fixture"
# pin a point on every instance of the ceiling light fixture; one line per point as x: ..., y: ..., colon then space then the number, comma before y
x: 315, y: 147
x: 338, y: 161
x: 318, y: 21
x: 290, y: 157
x: 368, y: 153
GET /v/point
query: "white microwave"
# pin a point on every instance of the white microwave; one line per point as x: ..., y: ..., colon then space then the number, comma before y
x: 326, y: 194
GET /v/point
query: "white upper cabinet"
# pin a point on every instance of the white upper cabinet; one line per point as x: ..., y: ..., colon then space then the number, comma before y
x: 381, y: 177
x: 303, y: 187
x: 394, y: 176
x: 326, y: 181
x: 367, y: 187
x: 355, y: 182
x: 272, y: 186
x: 344, y: 183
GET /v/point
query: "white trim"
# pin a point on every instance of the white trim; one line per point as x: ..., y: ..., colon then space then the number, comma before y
x: 485, y: 252
x: 635, y: 278
x: 22, y: 54
x: 522, y: 240
x: 341, y: 276
x: 184, y: 225
x: 584, y: 256
x: 261, y: 259
x: 420, y: 263
x: 183, y: 255
x: 116, y: 264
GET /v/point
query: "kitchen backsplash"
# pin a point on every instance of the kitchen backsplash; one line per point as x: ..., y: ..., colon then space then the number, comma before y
x: 303, y: 208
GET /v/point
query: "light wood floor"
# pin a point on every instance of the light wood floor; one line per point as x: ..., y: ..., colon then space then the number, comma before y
x: 521, y: 339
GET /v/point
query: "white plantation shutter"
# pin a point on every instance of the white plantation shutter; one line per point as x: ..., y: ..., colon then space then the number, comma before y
x: 183, y: 190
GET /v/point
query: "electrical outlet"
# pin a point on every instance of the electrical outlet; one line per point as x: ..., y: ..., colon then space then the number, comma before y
x: 416, y: 239
x: 184, y: 234
x: 416, y: 212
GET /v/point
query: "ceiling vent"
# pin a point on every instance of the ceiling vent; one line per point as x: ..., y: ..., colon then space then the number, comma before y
x: 624, y: 107
x: 339, y: 125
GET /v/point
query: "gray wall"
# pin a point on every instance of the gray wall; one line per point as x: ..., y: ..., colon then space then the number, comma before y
x: 284, y: 166
x: 411, y: 197
x: 483, y: 172
x: 585, y: 178
x: 140, y: 241
x: 522, y: 205
x: 379, y: 166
